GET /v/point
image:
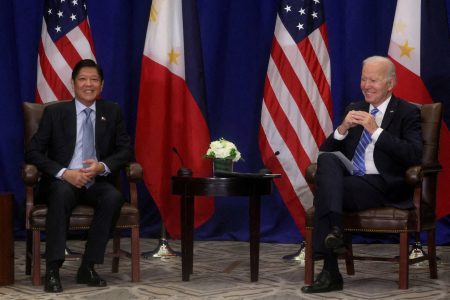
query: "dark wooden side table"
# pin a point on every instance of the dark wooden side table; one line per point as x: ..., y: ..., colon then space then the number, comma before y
x: 251, y: 185
x: 7, y: 239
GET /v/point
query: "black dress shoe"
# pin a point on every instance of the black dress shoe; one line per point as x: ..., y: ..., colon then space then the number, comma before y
x: 325, y: 282
x: 335, y: 241
x: 87, y: 275
x: 52, y: 282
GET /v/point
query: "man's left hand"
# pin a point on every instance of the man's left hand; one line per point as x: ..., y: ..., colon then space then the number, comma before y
x: 93, y: 168
x: 364, y: 119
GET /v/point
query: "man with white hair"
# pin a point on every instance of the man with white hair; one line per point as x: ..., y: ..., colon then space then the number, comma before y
x: 382, y: 137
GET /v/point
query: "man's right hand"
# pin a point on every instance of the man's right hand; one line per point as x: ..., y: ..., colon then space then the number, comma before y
x: 347, y: 123
x: 76, y: 177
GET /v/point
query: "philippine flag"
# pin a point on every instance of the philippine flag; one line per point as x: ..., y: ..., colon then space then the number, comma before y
x: 171, y: 109
x: 420, y: 49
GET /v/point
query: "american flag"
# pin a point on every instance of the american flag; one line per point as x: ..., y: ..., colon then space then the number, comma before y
x: 297, y: 108
x: 65, y: 39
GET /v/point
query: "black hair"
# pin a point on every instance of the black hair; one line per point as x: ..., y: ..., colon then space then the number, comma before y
x: 86, y: 63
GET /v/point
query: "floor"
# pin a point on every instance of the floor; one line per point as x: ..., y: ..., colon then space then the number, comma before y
x: 222, y: 271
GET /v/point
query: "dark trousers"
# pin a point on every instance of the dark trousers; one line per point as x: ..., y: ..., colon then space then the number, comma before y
x: 338, y: 191
x: 61, y: 198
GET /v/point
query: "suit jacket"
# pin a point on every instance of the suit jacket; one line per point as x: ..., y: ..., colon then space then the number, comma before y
x: 53, y: 145
x: 398, y: 147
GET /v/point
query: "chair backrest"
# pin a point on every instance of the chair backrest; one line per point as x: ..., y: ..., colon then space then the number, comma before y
x: 431, y: 115
x: 431, y: 125
x: 32, y: 114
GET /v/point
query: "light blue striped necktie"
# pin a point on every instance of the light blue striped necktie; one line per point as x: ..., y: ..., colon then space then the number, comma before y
x: 88, y: 147
x: 359, y: 162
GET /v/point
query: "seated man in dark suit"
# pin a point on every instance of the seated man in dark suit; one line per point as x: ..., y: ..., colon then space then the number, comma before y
x: 78, y: 147
x: 382, y: 138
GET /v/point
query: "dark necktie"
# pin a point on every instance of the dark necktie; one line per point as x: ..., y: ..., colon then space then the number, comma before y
x: 359, y: 162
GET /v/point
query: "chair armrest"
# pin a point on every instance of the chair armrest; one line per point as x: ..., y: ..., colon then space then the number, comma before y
x: 30, y: 177
x: 30, y: 174
x: 415, y: 174
x: 134, y: 172
x: 310, y: 173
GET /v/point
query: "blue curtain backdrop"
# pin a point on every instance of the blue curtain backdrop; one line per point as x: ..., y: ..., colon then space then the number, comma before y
x: 236, y: 39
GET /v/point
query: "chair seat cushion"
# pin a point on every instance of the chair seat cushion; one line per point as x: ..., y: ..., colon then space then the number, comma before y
x: 82, y: 216
x: 383, y: 219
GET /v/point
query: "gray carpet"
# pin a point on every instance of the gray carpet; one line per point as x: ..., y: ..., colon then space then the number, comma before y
x: 222, y: 271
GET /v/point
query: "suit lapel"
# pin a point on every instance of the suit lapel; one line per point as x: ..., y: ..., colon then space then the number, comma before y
x: 389, y: 113
x: 100, y: 124
x: 71, y: 124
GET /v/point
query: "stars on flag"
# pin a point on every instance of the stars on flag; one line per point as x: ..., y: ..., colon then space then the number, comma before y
x: 63, y: 16
x: 302, y: 11
x: 400, y: 27
x: 173, y: 56
x: 307, y: 17
x: 405, y: 49
x: 153, y: 14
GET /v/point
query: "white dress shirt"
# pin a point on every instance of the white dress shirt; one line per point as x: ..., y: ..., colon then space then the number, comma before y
x: 77, y: 160
x: 368, y: 157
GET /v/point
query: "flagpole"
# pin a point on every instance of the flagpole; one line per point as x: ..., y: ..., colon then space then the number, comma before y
x: 297, y: 256
x: 163, y: 250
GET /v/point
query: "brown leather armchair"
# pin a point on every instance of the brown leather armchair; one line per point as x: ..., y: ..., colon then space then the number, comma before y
x: 81, y: 216
x: 392, y: 220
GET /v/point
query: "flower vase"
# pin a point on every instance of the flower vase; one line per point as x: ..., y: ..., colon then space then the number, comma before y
x: 222, y: 165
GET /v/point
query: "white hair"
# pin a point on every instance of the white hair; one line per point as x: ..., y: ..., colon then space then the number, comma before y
x: 391, y: 74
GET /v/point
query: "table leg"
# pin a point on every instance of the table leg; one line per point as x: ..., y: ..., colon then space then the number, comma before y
x: 255, y: 212
x: 187, y: 236
x: 190, y: 226
x: 184, y: 237
x: 7, y: 239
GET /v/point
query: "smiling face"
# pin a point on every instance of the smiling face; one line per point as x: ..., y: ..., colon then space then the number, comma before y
x: 376, y: 81
x: 87, y: 85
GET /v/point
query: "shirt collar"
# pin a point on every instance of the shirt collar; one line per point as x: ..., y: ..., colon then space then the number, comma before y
x: 80, y: 106
x: 383, y: 106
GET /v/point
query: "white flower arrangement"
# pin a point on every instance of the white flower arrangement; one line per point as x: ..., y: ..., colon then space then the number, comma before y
x: 223, y: 149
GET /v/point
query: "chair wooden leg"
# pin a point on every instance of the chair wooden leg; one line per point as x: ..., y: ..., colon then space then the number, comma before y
x: 116, y: 252
x: 403, y: 265
x: 432, y: 253
x: 28, y: 252
x: 349, y: 263
x: 36, y: 260
x: 309, y: 260
x: 135, y: 255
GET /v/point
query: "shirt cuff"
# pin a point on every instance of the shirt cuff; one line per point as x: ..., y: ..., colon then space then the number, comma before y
x: 338, y: 136
x: 376, y: 134
x: 107, y: 170
x: 60, y: 173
